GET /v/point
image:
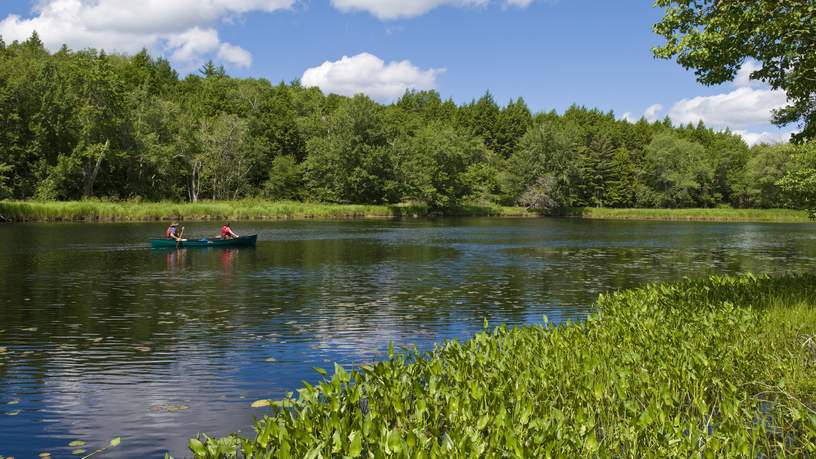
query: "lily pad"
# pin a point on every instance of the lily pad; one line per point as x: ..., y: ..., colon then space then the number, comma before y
x: 76, y: 443
x: 115, y: 442
x: 169, y: 408
x: 78, y: 452
x: 44, y: 455
x: 14, y: 401
x: 261, y: 403
x: 13, y: 413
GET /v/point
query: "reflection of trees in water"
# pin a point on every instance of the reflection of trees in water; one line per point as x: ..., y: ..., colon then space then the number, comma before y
x: 341, y: 293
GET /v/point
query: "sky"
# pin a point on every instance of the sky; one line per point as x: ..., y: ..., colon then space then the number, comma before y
x: 553, y: 53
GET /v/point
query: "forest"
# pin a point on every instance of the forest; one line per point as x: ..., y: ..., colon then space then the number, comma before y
x: 86, y: 124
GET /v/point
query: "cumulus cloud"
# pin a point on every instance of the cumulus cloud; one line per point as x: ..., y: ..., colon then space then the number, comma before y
x: 756, y: 138
x: 750, y: 104
x: 395, y: 9
x: 742, y: 107
x: 234, y: 55
x: 183, y: 29
x: 370, y: 75
x: 652, y: 112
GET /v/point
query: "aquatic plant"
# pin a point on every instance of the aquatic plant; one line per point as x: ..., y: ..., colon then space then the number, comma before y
x: 719, y: 214
x: 721, y: 367
x: 96, y: 210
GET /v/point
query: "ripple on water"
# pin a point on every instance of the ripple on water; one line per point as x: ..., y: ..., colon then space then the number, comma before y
x: 102, y: 337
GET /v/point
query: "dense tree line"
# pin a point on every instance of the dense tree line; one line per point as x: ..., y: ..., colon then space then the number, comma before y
x: 77, y: 124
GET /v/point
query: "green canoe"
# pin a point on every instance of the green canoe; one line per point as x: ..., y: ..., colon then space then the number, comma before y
x: 243, y: 241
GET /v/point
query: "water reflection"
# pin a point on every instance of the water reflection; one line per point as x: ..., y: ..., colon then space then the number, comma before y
x: 104, y: 337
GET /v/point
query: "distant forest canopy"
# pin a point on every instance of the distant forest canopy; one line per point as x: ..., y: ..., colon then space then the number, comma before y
x: 79, y: 124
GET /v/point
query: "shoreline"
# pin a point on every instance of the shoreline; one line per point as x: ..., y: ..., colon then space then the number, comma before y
x: 713, y: 215
x: 261, y: 210
x: 646, y: 371
x: 245, y: 210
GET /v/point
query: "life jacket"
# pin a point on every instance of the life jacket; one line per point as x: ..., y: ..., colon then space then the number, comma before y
x: 169, y: 232
x: 224, y: 231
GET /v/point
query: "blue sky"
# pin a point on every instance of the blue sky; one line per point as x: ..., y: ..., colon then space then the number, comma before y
x: 551, y: 52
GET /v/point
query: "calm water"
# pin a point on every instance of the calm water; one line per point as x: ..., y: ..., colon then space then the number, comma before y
x: 105, y: 337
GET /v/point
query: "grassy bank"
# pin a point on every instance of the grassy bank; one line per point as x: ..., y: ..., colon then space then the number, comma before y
x: 31, y: 211
x: 723, y: 367
x: 714, y: 215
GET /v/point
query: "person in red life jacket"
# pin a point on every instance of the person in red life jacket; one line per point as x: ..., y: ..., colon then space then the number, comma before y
x: 227, y: 232
x: 173, y: 233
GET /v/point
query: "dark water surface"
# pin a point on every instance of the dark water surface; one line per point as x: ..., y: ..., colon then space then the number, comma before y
x: 102, y: 337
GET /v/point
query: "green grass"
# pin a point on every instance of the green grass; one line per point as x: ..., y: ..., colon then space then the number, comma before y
x: 220, y: 210
x: 716, y: 214
x: 717, y: 368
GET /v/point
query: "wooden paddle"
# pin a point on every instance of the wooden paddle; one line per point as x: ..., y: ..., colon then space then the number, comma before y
x: 178, y: 238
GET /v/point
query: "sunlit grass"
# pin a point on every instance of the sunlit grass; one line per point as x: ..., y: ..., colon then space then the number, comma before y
x: 219, y: 210
x: 715, y: 214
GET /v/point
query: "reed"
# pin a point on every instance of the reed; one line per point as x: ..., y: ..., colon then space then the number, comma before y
x: 109, y: 211
x: 714, y: 214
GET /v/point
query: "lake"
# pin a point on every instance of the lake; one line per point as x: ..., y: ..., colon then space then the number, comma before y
x: 102, y: 337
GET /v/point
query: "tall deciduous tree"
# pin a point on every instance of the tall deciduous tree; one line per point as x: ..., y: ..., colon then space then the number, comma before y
x: 715, y: 37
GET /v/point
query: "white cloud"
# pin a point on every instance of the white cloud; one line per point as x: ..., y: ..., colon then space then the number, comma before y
x: 193, y: 43
x: 743, y: 77
x: 747, y: 109
x: 755, y: 138
x: 652, y: 111
x: 370, y: 75
x: 628, y: 117
x: 394, y: 9
x: 234, y: 55
x: 518, y: 3
x: 181, y: 28
x: 742, y: 107
x: 750, y: 103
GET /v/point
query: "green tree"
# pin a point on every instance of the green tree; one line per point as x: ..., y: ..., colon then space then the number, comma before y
x: 225, y: 156
x: 285, y: 179
x: 677, y: 173
x: 767, y: 165
x: 548, y: 148
x: 511, y: 124
x: 351, y: 162
x: 432, y: 165
x: 716, y: 37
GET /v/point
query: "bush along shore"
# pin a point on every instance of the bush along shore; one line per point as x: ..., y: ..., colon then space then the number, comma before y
x: 721, y: 367
x: 721, y: 214
x: 108, y: 211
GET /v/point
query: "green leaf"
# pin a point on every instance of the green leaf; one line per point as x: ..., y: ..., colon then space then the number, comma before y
x: 355, y: 444
x: 78, y: 452
x: 321, y: 371
x: 115, y: 442
x: 197, y: 447
x: 76, y: 443
x: 394, y: 441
